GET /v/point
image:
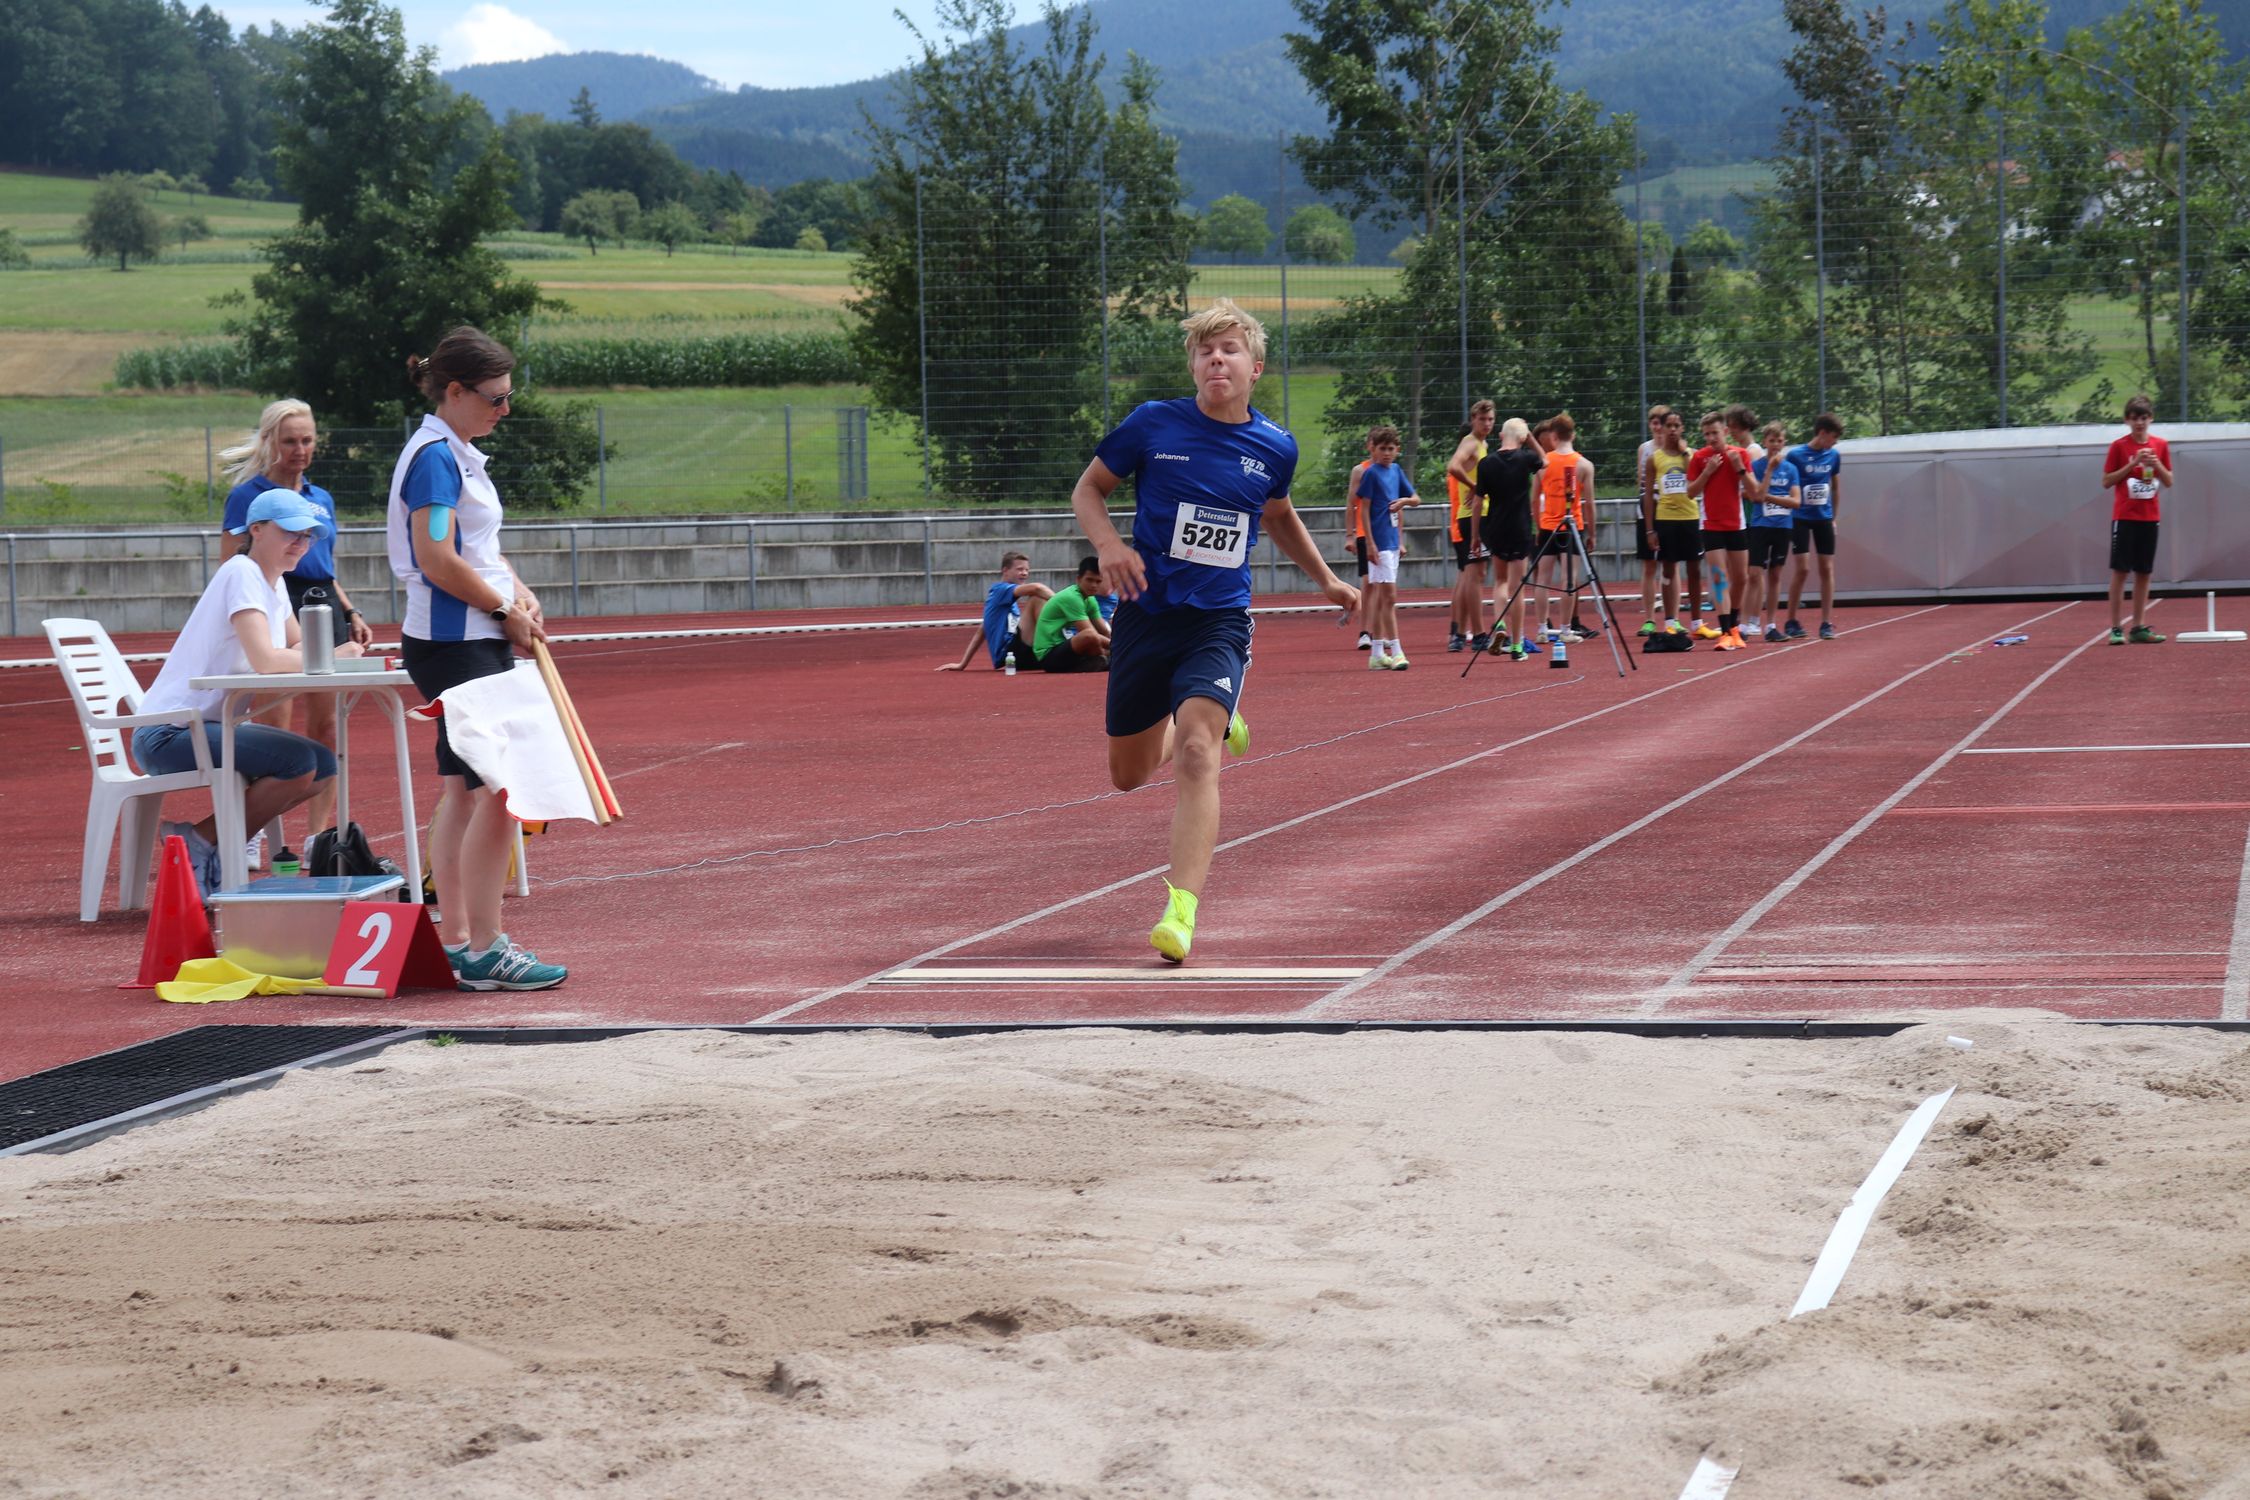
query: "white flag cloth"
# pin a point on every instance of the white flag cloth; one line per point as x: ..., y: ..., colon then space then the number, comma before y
x: 508, y: 730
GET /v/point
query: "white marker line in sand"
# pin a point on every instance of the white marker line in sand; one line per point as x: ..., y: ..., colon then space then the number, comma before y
x: 2234, y: 995
x: 836, y: 991
x: 1709, y: 1481
x: 1112, y: 975
x: 2093, y: 749
x: 1836, y: 1255
x: 1695, y: 966
x: 1524, y: 887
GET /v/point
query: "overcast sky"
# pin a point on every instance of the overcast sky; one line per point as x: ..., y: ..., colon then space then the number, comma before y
x: 764, y: 42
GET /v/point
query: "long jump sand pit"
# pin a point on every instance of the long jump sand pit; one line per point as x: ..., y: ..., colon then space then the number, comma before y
x: 1101, y: 1263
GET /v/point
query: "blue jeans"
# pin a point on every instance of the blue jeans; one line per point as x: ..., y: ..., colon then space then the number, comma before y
x: 260, y: 751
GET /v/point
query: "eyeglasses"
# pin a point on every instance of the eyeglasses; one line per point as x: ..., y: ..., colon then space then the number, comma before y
x: 497, y: 401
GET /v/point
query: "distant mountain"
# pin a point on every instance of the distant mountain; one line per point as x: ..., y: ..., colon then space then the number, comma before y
x: 1704, y: 82
x: 623, y: 85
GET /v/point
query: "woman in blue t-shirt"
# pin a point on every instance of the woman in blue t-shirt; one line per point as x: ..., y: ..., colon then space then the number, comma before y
x: 275, y: 457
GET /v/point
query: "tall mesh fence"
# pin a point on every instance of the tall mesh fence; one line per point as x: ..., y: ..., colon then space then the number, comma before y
x: 2018, y: 263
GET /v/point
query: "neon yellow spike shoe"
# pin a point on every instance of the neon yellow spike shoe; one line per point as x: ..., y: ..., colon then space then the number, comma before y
x: 1238, y: 735
x: 1173, y: 936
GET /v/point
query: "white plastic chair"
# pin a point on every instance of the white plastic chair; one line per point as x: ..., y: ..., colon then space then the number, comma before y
x: 108, y: 696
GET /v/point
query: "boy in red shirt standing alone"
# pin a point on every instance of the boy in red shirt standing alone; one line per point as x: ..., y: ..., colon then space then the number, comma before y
x: 2138, y: 467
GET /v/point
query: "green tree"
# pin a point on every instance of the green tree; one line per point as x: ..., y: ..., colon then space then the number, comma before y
x: 2137, y: 89
x: 1235, y: 226
x: 119, y: 222
x: 596, y: 215
x: 1980, y: 107
x: 191, y: 185
x: 812, y: 239
x: 13, y: 256
x: 384, y: 258
x: 159, y: 182
x: 671, y: 225
x: 255, y: 189
x: 1424, y: 98
x: 191, y: 227
x: 995, y: 198
x: 1319, y: 234
x: 1708, y: 246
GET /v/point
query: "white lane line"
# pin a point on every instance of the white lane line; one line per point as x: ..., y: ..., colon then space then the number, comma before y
x: 1524, y: 887
x: 1835, y: 846
x: 1111, y: 974
x: 1843, y: 1240
x: 2234, y: 995
x: 853, y: 986
x: 2094, y: 749
x: 1710, y: 1481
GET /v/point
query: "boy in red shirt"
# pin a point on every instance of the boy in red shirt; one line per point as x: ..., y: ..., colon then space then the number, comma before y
x: 1719, y: 474
x: 2138, y: 467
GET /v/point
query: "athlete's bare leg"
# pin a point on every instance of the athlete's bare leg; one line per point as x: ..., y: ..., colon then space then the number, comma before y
x: 1195, y: 772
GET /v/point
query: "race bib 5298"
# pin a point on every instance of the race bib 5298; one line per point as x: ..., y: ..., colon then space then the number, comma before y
x: 1816, y: 495
x: 1211, y: 535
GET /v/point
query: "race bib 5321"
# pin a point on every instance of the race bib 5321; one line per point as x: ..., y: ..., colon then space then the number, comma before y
x: 1211, y: 535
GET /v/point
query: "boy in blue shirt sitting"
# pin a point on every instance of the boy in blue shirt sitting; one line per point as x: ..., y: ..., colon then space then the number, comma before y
x: 1011, y: 617
x: 1383, y: 489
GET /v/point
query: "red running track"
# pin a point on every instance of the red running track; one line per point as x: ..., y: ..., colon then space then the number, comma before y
x: 822, y: 829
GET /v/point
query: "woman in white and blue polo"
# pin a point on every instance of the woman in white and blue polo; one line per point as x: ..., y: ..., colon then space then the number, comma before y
x: 466, y: 614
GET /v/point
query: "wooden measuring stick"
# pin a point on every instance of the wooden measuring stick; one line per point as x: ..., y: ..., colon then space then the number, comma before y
x: 603, y: 791
x: 571, y: 731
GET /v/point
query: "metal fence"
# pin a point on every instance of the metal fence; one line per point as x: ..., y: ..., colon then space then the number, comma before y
x: 2035, y: 256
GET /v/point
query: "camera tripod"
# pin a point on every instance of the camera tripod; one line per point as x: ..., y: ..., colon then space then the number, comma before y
x: 1620, y: 650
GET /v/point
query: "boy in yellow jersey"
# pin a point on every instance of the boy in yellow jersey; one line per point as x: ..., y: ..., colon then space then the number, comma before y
x: 1672, y: 522
x: 1468, y: 546
x: 1645, y: 536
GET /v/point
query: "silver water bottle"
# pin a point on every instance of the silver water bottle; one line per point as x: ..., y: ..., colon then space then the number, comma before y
x: 316, y: 627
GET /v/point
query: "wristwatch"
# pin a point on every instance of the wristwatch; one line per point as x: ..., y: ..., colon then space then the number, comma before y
x: 500, y: 614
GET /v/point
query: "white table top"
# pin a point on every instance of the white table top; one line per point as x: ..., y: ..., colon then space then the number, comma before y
x: 298, y: 682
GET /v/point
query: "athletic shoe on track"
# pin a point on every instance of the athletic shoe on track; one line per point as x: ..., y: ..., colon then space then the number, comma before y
x: 455, y: 952
x: 1174, y: 933
x: 1378, y: 663
x: 1827, y: 631
x: 1793, y: 630
x: 1648, y: 628
x: 1703, y: 632
x: 1238, y: 734
x: 1366, y: 642
x: 2117, y: 637
x: 1750, y: 630
x: 1516, y: 652
x: 504, y: 966
x: 1456, y: 642
x: 1581, y: 632
x: 1398, y: 663
x: 1480, y: 642
x: 2143, y: 636
x: 1731, y: 641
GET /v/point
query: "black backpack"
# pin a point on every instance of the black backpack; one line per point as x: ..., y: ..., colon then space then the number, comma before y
x: 1665, y: 642
x: 345, y: 852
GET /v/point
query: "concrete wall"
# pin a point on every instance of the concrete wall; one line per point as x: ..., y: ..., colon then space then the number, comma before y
x: 150, y: 579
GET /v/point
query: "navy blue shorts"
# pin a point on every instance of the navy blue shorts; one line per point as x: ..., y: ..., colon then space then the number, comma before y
x: 1159, y: 661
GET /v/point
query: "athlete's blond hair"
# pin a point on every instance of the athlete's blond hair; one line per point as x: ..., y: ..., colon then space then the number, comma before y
x: 1220, y: 317
x: 256, y: 453
x: 1517, y: 428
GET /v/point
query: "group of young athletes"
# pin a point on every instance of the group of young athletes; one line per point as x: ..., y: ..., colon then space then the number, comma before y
x: 1209, y: 470
x: 1752, y: 505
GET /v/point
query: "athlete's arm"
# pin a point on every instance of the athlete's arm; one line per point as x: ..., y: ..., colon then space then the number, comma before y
x: 429, y: 529
x: 1835, y: 496
x: 969, y: 654
x: 1699, y: 479
x: 1122, y: 573
x: 1463, y: 466
x: 1648, y: 498
x: 1287, y: 529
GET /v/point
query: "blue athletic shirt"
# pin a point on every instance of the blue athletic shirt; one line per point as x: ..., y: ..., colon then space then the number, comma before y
x: 1783, y: 481
x: 1000, y: 621
x: 1818, y: 471
x: 1379, y: 485
x: 1200, y: 486
x: 318, y: 565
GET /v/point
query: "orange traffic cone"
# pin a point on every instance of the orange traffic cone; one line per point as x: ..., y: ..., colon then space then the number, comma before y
x: 178, y: 930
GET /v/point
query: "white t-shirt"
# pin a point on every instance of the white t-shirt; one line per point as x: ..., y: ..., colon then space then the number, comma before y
x: 432, y: 614
x: 208, y: 646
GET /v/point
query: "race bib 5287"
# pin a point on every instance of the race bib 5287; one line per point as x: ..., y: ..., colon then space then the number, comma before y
x: 1211, y: 535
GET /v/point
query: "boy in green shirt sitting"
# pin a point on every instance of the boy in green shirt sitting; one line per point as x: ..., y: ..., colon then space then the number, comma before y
x: 1076, y: 610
